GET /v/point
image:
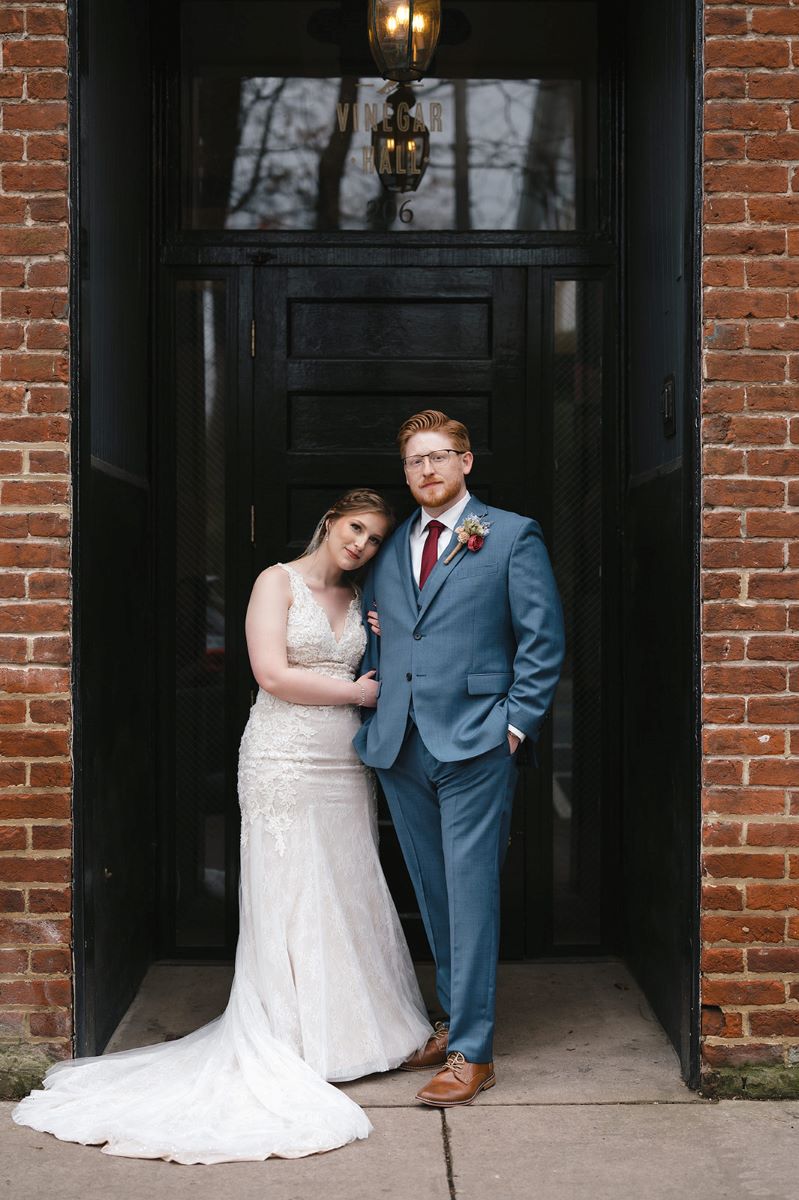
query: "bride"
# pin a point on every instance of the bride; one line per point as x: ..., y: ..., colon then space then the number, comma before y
x: 324, y: 988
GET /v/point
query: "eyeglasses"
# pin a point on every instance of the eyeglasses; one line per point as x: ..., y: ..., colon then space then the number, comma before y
x: 438, y: 458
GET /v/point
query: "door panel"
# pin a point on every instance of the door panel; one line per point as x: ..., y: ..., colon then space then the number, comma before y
x: 340, y: 363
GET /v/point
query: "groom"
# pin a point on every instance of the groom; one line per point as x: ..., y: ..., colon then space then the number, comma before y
x: 468, y: 658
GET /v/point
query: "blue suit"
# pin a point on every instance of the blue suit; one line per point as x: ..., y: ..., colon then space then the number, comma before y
x: 478, y: 648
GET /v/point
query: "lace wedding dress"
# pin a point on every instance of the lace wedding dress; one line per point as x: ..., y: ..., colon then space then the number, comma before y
x: 324, y: 988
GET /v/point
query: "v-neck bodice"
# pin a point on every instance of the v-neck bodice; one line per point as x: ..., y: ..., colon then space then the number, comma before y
x: 310, y: 639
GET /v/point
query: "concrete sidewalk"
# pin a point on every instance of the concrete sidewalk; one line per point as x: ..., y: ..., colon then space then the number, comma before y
x: 588, y: 1102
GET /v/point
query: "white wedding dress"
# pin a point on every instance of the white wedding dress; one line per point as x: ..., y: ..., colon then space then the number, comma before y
x: 324, y: 988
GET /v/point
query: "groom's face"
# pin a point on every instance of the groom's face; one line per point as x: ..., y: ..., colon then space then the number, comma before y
x: 436, y: 488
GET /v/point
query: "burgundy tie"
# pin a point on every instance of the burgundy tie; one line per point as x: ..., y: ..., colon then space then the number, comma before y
x: 430, y: 551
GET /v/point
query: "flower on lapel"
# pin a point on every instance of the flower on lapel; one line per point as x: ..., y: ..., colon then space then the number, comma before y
x: 471, y: 534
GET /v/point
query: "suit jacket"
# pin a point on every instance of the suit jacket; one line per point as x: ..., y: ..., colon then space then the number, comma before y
x: 479, y: 647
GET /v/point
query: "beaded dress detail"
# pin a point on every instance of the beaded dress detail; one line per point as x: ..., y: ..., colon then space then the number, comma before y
x: 324, y: 988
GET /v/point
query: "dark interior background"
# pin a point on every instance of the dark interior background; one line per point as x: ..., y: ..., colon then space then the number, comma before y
x: 116, y: 213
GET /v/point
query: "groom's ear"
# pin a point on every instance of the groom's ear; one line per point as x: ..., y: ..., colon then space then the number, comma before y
x: 467, y: 461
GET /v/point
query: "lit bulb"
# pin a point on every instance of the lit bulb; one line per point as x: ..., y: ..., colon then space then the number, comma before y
x: 418, y: 23
x: 403, y: 12
x: 391, y: 24
x: 389, y: 143
x: 411, y: 146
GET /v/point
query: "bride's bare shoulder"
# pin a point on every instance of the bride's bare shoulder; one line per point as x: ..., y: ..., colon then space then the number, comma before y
x: 273, y: 583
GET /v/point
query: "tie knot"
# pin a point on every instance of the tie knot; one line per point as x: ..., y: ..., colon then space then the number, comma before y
x: 435, y: 526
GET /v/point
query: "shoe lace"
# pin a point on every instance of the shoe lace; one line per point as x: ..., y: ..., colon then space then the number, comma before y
x: 440, y: 1032
x: 455, y: 1060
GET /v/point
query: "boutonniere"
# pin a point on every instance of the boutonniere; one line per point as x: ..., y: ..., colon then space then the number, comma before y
x: 471, y: 534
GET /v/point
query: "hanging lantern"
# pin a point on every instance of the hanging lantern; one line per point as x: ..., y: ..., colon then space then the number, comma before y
x: 403, y: 37
x: 401, y: 144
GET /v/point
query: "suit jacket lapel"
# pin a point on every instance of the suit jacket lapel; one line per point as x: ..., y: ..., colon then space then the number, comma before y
x: 402, y: 542
x: 441, y: 571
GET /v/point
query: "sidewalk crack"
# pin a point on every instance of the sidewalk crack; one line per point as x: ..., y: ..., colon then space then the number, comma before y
x: 448, y: 1156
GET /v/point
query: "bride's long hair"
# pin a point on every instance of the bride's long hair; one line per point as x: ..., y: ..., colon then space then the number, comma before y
x: 358, y: 500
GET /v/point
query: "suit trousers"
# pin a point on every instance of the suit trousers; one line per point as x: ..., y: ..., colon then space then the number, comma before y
x: 453, y: 823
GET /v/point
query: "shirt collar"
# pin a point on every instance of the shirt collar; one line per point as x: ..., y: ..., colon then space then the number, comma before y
x: 449, y: 518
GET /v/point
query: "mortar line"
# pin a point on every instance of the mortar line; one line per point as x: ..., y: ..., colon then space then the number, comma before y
x: 448, y: 1155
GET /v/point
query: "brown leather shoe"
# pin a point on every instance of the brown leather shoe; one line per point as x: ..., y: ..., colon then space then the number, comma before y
x: 459, y: 1082
x: 432, y: 1054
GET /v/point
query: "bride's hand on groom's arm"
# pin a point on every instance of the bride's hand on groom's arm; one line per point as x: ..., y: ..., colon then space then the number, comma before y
x: 368, y: 687
x: 374, y: 621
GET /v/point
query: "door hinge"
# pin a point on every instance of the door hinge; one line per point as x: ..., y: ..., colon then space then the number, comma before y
x: 252, y: 524
x: 252, y: 338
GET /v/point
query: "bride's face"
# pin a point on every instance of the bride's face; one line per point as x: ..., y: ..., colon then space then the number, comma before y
x: 355, y: 538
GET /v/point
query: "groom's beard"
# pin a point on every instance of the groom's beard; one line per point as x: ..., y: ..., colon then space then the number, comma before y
x: 439, y: 495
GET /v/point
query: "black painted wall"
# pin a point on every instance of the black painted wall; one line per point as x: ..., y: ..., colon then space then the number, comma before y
x: 115, y: 767
x: 660, y: 804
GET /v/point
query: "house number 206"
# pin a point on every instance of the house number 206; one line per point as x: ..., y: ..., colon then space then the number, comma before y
x: 385, y: 209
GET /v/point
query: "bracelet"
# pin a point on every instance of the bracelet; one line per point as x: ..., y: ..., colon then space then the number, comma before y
x: 361, y: 694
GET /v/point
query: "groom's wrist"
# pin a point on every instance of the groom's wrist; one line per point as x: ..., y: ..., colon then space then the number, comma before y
x: 516, y: 732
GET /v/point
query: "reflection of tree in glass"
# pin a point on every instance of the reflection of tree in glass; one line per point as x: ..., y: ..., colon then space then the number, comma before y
x: 505, y: 159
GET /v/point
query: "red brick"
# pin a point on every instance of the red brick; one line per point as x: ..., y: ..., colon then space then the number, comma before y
x: 775, y: 20
x: 744, y: 115
x: 773, y: 896
x: 48, y: 585
x: 744, y: 493
x: 723, y: 273
x: 35, y: 805
x: 720, y: 555
x: 723, y: 709
x: 742, y: 929
x: 32, y: 680
x: 41, y: 992
x: 743, y: 741
x: 767, y: 146
x: 745, y: 367
x: 11, y: 85
x: 726, y: 525
x: 748, y: 1054
x: 722, y: 897
x: 722, y: 649
x: 722, y: 773
x: 746, y: 178
x: 724, y: 210
x: 57, y: 1023
x: 34, y: 367
x: 773, y: 85
x: 723, y: 461
x: 744, y: 241
x: 723, y: 960
x: 722, y: 833
x: 775, y: 587
x: 725, y: 85
x: 736, y: 681
x: 13, y: 837
x: 50, y: 900
x: 41, y: 21
x: 50, y: 961
x: 716, y: 1023
x: 744, y: 866
x: 51, y: 650
x: 749, y: 616
x: 49, y: 335
x: 775, y: 1024
x: 59, y: 837
x: 35, y: 177
x: 50, y: 52
x: 47, y: 85
x: 719, y: 586
x: 780, y: 210
x: 773, y: 959
x: 26, y: 302
x: 52, y: 774
x: 767, y: 709
x: 48, y: 274
x: 729, y: 147
x: 34, y: 429
x: 725, y: 20
x: 743, y: 991
x: 35, y: 870
x: 784, y: 833
x: 18, y: 931
x: 34, y: 618
x: 738, y: 52
x: 726, y: 303
x: 51, y: 114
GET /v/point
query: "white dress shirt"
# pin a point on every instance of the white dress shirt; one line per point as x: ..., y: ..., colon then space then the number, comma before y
x: 449, y: 520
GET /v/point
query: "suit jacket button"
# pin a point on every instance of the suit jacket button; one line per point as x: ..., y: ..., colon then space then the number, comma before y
x: 417, y: 637
x: 408, y: 676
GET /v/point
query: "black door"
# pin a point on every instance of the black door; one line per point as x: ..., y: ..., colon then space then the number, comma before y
x: 342, y: 356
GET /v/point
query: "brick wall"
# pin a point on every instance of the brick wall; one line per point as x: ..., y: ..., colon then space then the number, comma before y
x: 750, y: 553
x: 35, y: 805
